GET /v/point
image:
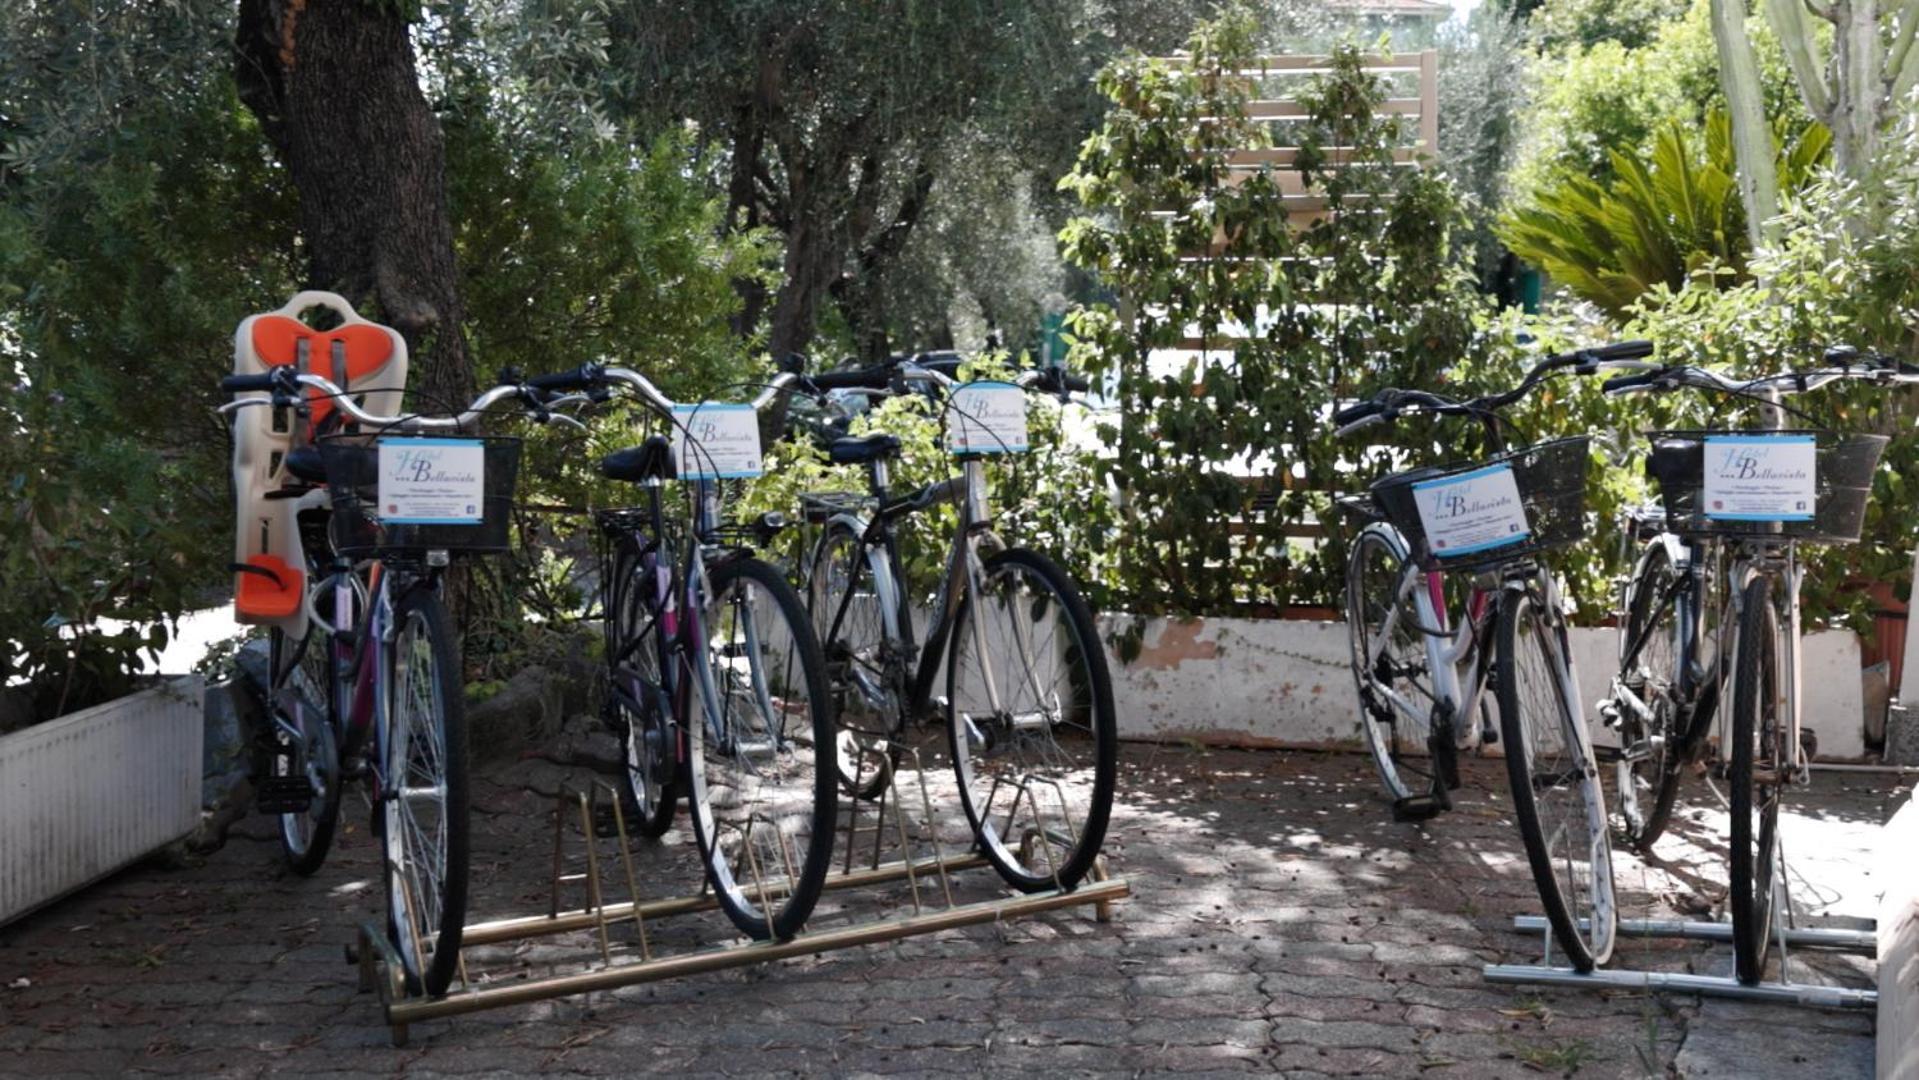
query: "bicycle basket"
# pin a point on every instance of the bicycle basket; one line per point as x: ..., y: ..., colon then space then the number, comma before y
x: 1490, y: 512
x: 1842, y: 484
x: 353, y: 477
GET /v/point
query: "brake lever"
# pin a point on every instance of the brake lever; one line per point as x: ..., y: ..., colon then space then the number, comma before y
x: 562, y: 418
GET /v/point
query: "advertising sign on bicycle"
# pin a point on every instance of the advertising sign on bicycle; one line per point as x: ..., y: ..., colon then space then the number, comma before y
x: 716, y: 441
x: 1471, y: 511
x: 432, y: 481
x: 1761, y: 477
x: 987, y: 418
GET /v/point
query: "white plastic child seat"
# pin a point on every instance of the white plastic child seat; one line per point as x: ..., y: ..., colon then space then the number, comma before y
x: 360, y: 356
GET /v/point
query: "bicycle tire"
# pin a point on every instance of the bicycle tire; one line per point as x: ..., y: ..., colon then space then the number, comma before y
x: 1395, y: 747
x: 1755, y: 739
x: 1093, y: 692
x: 307, y: 836
x: 426, y: 696
x: 650, y: 784
x: 724, y: 776
x: 867, y: 687
x: 1650, y: 666
x: 1540, y: 715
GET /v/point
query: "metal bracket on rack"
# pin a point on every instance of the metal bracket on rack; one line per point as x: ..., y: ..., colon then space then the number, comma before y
x: 379, y: 962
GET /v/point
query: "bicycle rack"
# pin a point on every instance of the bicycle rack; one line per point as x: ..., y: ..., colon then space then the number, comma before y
x: 1782, y: 992
x: 381, y: 972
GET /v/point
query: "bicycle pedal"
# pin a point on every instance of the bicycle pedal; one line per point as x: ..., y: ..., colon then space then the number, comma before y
x: 1417, y: 808
x: 282, y: 795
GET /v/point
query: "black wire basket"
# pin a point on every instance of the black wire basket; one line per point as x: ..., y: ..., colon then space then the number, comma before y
x: 1551, y: 482
x: 352, y: 468
x: 1843, y: 469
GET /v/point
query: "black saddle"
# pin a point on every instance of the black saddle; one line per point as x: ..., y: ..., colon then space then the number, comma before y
x: 1676, y: 463
x: 305, y: 463
x: 651, y: 460
x: 857, y: 450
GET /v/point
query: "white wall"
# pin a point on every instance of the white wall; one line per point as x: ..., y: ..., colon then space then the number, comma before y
x: 1273, y: 682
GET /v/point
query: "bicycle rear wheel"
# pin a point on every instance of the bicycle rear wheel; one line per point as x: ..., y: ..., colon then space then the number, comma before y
x: 305, y: 696
x: 1646, y: 778
x: 423, y: 794
x: 850, y: 617
x: 763, y: 787
x: 1759, y: 764
x: 1557, y: 799
x: 1388, y: 653
x: 1029, y: 720
x: 650, y: 788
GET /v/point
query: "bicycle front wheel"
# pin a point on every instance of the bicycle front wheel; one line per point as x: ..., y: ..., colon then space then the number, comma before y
x: 1759, y: 764
x: 1029, y: 719
x: 1646, y: 778
x: 1555, y: 783
x: 764, y: 790
x: 1388, y: 653
x: 423, y: 794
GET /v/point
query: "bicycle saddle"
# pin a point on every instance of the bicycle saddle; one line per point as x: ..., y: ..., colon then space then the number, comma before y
x: 305, y: 463
x: 651, y: 460
x: 857, y: 450
x: 1676, y: 462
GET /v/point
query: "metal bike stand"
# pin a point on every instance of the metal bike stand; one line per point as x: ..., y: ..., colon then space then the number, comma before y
x: 381, y: 971
x: 1782, y: 992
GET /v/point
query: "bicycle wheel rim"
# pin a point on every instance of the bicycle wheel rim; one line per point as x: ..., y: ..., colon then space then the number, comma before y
x: 1557, y: 799
x: 1757, y: 748
x: 423, y: 830
x: 852, y: 636
x: 1645, y: 784
x: 1036, y: 766
x: 763, y: 800
x: 1388, y: 655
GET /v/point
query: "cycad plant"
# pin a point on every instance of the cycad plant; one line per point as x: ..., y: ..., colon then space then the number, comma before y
x: 1658, y: 220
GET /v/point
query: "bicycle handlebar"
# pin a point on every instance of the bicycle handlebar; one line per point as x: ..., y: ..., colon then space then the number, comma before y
x: 284, y: 383
x: 1848, y: 364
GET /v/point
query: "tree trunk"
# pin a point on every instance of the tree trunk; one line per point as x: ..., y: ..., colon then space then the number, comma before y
x: 1751, y: 133
x: 335, y: 88
x: 1857, y: 106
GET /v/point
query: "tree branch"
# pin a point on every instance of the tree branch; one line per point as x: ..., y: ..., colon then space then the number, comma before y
x: 1898, y: 78
x: 1826, y: 13
x: 1795, y: 35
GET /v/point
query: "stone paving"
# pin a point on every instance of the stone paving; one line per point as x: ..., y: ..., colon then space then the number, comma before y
x: 1280, y: 923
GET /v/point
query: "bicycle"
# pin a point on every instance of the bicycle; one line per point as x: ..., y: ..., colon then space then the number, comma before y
x: 716, y: 685
x: 373, y: 688
x: 1028, y: 704
x: 1421, y: 679
x: 1714, y: 526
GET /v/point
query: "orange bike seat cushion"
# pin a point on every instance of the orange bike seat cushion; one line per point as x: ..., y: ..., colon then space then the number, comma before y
x: 368, y: 347
x: 264, y: 598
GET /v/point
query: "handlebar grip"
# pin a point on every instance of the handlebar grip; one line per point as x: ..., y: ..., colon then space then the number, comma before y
x: 1622, y: 350
x: 1357, y: 411
x: 584, y: 377
x: 246, y: 384
x: 1619, y: 384
x: 1075, y: 384
x: 877, y: 377
x: 1060, y: 381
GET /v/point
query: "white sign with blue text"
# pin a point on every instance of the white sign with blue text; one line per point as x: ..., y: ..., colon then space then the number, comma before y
x: 432, y: 481
x: 716, y: 441
x: 1761, y: 477
x: 1470, y: 512
x: 986, y: 418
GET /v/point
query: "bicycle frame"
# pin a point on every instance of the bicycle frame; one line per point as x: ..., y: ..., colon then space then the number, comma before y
x: 1450, y: 651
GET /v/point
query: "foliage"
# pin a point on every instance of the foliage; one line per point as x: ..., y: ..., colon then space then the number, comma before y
x: 1368, y: 295
x: 1658, y: 221
x: 1567, y: 24
x: 1591, y: 100
x: 140, y: 218
x: 1482, y: 95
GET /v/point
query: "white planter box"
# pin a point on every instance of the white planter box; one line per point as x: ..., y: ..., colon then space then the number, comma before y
x: 84, y: 795
x: 1280, y: 682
